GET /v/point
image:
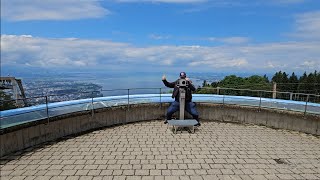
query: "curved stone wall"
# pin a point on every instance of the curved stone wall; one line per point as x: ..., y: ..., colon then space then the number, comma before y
x: 35, y: 133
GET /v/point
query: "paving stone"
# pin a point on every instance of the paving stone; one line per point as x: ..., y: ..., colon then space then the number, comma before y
x: 134, y: 178
x: 73, y: 178
x: 194, y: 166
x: 209, y: 177
x: 119, y: 177
x: 309, y: 176
x: 184, y: 178
x: 161, y: 166
x: 86, y: 177
x: 141, y: 172
x: 155, y: 172
x: 147, y: 178
x: 271, y: 176
x: 18, y: 178
x: 258, y: 177
x: 94, y: 172
x: 196, y: 178
x: 149, y: 150
x: 227, y: 171
x: 166, y: 172
x: 82, y: 172
x: 245, y: 177
x: 171, y: 177
x: 58, y: 178
x: 43, y: 177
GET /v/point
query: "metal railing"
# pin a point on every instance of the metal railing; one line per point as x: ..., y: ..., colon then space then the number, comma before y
x: 45, y: 108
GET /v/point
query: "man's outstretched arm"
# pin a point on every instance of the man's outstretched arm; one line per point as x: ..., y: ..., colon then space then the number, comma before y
x: 166, y: 83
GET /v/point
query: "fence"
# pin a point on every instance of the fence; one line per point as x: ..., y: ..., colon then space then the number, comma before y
x: 126, y: 97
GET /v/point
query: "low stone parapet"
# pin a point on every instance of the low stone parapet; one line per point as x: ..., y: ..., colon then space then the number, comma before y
x: 34, y: 133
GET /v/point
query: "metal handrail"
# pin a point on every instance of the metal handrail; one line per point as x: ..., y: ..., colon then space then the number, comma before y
x: 106, y: 90
x: 160, y: 92
x: 253, y: 90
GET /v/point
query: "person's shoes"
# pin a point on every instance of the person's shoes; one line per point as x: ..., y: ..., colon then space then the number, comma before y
x: 198, y: 124
x: 165, y: 122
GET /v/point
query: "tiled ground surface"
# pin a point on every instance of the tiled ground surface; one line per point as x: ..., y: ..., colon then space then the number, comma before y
x: 149, y: 150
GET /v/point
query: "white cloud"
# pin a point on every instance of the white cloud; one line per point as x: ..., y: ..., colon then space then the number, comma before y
x: 308, y: 25
x: 158, y: 37
x: 309, y: 64
x: 70, y: 52
x: 230, y: 40
x: 22, y: 10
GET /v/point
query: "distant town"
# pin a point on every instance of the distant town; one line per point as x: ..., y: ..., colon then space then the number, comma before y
x: 62, y: 90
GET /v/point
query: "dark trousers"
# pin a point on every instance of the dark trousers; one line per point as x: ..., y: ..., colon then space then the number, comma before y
x: 190, y: 107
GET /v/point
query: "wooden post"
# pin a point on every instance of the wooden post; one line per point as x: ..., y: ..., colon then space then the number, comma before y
x: 274, y: 90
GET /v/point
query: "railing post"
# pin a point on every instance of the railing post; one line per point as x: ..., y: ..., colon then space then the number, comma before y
x: 274, y: 90
x: 92, y: 108
x: 306, y: 106
x: 260, y: 101
x: 291, y: 95
x: 223, y: 100
x: 128, y: 99
x: 160, y: 99
x: 47, y: 109
x: 218, y: 90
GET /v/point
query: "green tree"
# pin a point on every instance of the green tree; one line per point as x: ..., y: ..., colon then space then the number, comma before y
x: 254, y: 82
x: 215, y: 84
x: 303, y: 82
x: 266, y: 79
x: 284, y: 77
x: 318, y: 83
x: 283, y: 85
x: 231, y: 81
x: 293, y: 80
x: 277, y: 77
x: 205, y: 84
x: 311, y: 83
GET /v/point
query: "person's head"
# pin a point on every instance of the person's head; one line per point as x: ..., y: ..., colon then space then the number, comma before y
x: 183, y: 75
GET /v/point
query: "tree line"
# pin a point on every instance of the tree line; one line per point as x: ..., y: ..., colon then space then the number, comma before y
x: 307, y: 83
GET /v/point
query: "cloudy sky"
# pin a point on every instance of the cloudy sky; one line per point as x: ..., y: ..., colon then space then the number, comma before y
x: 162, y: 35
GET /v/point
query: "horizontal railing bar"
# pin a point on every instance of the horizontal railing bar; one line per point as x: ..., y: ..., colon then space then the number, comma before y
x: 222, y: 88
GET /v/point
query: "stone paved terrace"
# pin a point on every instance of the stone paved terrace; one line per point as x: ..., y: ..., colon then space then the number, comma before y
x: 149, y: 150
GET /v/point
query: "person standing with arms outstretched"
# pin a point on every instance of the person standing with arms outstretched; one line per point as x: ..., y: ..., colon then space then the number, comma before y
x: 190, y: 106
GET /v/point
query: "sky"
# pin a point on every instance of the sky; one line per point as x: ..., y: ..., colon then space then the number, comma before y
x: 235, y: 36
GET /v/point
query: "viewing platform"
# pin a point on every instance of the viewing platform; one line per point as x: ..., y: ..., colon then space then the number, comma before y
x: 124, y: 137
x: 149, y: 150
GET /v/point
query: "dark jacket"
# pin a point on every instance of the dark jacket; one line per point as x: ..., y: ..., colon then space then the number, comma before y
x: 175, y: 93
